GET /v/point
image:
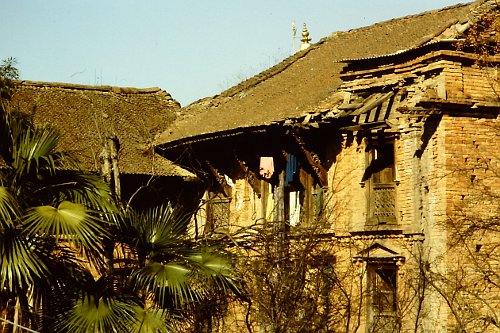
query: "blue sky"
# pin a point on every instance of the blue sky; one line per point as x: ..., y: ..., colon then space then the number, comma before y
x: 192, y: 49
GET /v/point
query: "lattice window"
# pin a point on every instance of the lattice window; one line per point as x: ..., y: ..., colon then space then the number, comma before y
x: 384, y: 202
x: 218, y: 210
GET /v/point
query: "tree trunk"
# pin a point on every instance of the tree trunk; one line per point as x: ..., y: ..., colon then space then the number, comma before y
x: 110, y: 167
x: 16, y: 317
x: 113, y: 149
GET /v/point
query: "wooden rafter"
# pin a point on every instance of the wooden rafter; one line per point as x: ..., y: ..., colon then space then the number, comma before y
x: 219, y: 178
x: 252, y: 177
x: 313, y: 160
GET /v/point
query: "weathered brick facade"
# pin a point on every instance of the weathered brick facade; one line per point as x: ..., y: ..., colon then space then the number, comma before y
x: 398, y: 194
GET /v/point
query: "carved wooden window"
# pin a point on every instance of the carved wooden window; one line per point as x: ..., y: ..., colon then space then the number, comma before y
x: 218, y: 209
x: 383, y: 314
x: 382, y: 179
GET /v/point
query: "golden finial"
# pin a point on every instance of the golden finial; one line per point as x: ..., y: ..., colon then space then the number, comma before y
x: 305, y: 38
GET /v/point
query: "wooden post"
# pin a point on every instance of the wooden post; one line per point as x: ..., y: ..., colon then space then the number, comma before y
x: 279, y: 216
x: 113, y: 152
x: 106, y: 165
x: 110, y: 168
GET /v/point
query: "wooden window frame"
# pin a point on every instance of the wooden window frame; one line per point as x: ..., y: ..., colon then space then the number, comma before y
x: 215, y: 221
x: 382, y: 182
x: 382, y: 302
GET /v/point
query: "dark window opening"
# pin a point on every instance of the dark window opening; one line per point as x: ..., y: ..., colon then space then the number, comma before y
x: 383, y: 312
x: 304, y: 204
x: 384, y: 290
x: 382, y: 163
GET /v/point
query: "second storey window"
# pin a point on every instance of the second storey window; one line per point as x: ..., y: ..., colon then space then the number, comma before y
x: 381, y: 175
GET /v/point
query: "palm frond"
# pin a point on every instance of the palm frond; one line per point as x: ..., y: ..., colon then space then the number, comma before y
x: 9, y: 209
x: 152, y: 321
x: 157, y: 230
x: 175, y: 270
x: 35, y: 147
x: 20, y: 261
x: 90, y: 190
x: 56, y: 291
x: 215, y: 270
x: 170, y: 283
x: 97, y: 315
x: 214, y: 265
x: 164, y: 223
x: 79, y: 187
x: 69, y: 222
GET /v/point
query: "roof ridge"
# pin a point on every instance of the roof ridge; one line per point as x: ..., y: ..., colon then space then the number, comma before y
x: 481, y: 7
x: 268, y: 73
x: 105, y: 88
x: 258, y: 78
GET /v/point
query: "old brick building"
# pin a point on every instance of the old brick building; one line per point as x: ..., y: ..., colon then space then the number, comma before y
x: 381, y: 144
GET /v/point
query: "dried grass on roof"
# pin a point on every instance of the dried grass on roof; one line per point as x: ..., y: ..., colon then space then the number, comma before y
x: 307, y: 79
x: 85, y: 115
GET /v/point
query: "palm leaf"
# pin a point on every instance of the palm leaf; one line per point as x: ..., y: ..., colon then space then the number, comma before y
x: 20, y: 261
x: 34, y: 147
x: 170, y: 283
x: 90, y: 315
x: 166, y: 223
x: 152, y: 321
x: 215, y: 270
x: 213, y: 265
x: 90, y: 190
x: 159, y: 230
x: 69, y: 275
x: 175, y: 269
x: 69, y: 221
x: 9, y: 209
x: 78, y: 187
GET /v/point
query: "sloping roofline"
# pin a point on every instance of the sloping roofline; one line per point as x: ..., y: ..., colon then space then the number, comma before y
x: 256, y: 102
x: 84, y: 115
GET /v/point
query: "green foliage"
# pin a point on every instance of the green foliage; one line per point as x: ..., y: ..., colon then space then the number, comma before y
x: 8, y: 72
x: 173, y: 271
x: 151, y: 321
x: 85, y: 263
x: 90, y: 315
x: 21, y: 263
x: 67, y: 222
x: 8, y: 208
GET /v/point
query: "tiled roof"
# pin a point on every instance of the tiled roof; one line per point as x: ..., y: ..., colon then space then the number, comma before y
x: 84, y: 115
x: 303, y: 82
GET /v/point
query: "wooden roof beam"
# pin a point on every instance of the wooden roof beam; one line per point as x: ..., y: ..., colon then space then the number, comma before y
x: 314, y: 161
x: 373, y: 103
